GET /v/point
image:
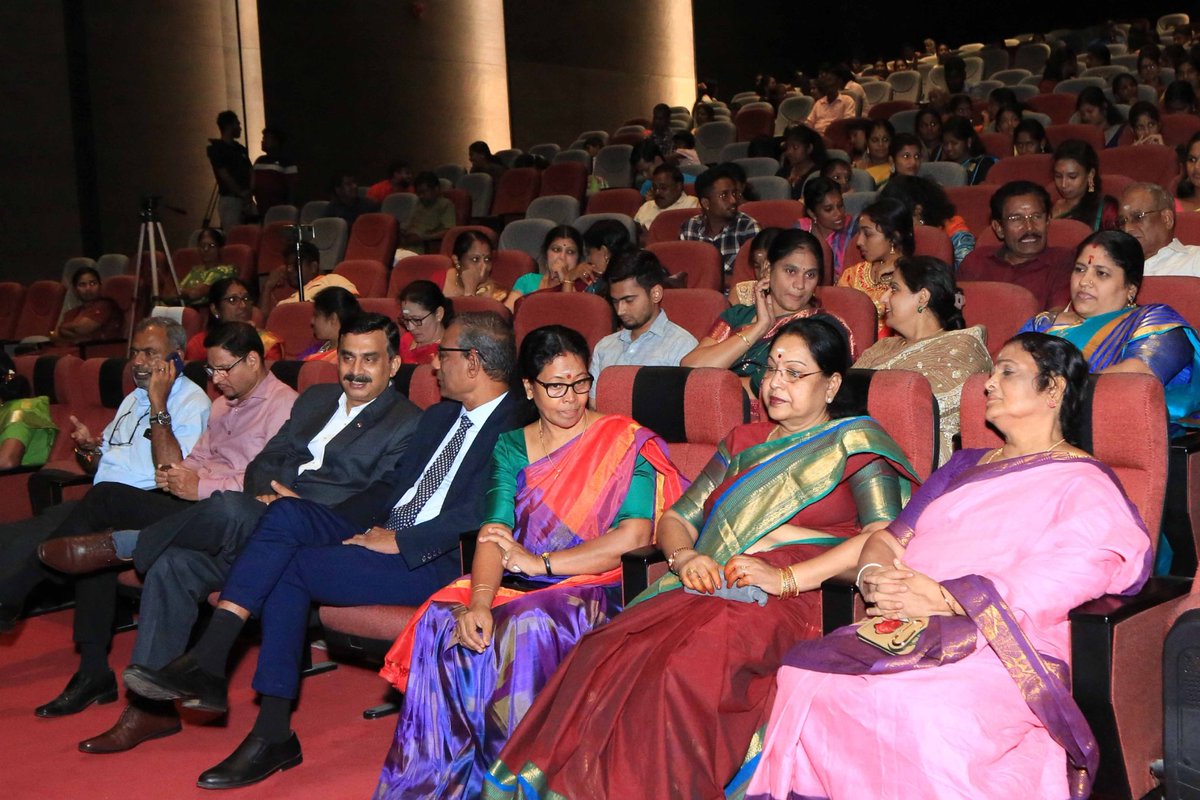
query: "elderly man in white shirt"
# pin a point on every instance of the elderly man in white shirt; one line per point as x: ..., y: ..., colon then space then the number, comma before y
x: 666, y: 193
x: 647, y: 338
x: 1148, y: 215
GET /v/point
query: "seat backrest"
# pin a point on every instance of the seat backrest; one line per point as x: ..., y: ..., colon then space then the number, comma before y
x: 271, y: 244
x: 481, y: 188
x: 886, y: 109
x: 903, y: 403
x: 1153, y: 163
x: 931, y: 241
x: 330, y: 235
x: 999, y: 145
x: 508, y: 265
x: 185, y: 258
x: 754, y: 121
x: 515, y: 191
x: 249, y: 235
x: 313, y: 210
x: 771, y: 213
x: 373, y: 237
x: 906, y: 85
x: 1180, y: 292
x: 432, y: 267
x: 526, y: 235
x: 369, y: 277
x: 855, y: 202
x: 770, y: 187
x: 1187, y: 228
x: 561, y: 209
x: 612, y: 165
x: 565, y: 178
x: 1032, y: 56
x: 462, y: 205
x: 1059, y: 107
x: 292, y: 323
x: 1034, y: 167
x: 573, y: 155
x: 453, y: 234
x: 120, y: 289
x: 734, y: 151
x: 1000, y: 307
x: 40, y: 309
x: 973, y: 204
x: 1068, y: 233
x: 1177, y: 129
x: 1010, y: 77
x: 945, y: 173
x: 400, y: 205
x: 242, y: 257
x: 699, y: 261
x: 587, y: 313
x: 1127, y: 413
x: 1073, y: 86
x: 418, y: 383
x: 281, y: 213
x: 585, y: 222
x: 856, y: 310
x: 694, y: 310
x: 111, y: 264
x: 1057, y: 134
x: 95, y: 389
x: 904, y: 121
x: 463, y: 305
x: 615, y: 201
x: 711, y: 137
x: 692, y: 409
x: 12, y: 296
x: 547, y: 151
x: 450, y: 172
x: 758, y: 167
x: 666, y: 225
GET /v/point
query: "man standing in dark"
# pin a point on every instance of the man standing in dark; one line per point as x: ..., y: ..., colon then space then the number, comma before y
x: 231, y: 167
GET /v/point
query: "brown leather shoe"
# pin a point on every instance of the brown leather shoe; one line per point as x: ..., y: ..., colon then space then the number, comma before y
x: 78, y: 555
x: 135, y: 726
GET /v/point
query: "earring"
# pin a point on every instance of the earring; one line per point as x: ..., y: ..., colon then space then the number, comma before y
x: 892, y: 252
x: 920, y: 309
x: 1131, y: 304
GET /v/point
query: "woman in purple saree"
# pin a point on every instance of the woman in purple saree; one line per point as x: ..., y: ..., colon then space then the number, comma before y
x: 994, y: 551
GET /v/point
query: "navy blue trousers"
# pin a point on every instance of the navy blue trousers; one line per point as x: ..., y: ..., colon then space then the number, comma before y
x: 295, y: 558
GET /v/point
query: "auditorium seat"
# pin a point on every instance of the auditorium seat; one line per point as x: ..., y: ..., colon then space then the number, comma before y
x: 418, y: 268
x: 40, y: 309
x: 1153, y: 163
x: 472, y: 304
x: 615, y: 201
x: 514, y: 192
x: 587, y: 313
x: 1035, y: 167
x: 1057, y: 134
x: 368, y: 276
x: 462, y: 205
x: 12, y: 296
x: 560, y: 209
x: 569, y: 178
x: 526, y: 235
x: 480, y: 187
x: 773, y: 213
x: 1059, y: 107
x: 271, y: 245
x: 931, y: 241
x: 249, y: 235
x: 330, y: 235
x: 508, y: 265
x: 666, y: 225
x: 388, y: 306
x: 752, y: 122
x: 1001, y: 308
x: 292, y: 323
x: 1068, y: 233
x: 973, y: 204
x: 694, y: 310
x: 458, y: 230
x: 1177, y: 129
x: 373, y: 237
x: 856, y: 310
x: 999, y: 145
x: 700, y: 262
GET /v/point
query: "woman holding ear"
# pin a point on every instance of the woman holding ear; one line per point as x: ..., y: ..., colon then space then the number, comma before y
x: 885, y: 235
x: 570, y: 493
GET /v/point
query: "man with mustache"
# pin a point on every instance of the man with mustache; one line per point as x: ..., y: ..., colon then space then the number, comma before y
x: 339, y: 439
x: 1020, y: 213
x: 159, y: 422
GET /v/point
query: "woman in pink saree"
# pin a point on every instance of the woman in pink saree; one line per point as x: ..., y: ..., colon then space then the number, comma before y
x: 993, y: 552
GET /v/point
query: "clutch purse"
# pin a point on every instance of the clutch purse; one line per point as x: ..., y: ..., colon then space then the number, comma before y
x: 893, y: 636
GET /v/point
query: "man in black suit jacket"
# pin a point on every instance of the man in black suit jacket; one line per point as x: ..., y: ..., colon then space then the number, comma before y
x: 402, y: 534
x: 339, y: 439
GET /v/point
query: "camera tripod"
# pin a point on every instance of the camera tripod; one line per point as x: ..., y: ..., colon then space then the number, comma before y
x: 150, y: 236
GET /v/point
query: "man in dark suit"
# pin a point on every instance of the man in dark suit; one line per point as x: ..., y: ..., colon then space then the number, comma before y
x: 339, y: 439
x: 394, y: 543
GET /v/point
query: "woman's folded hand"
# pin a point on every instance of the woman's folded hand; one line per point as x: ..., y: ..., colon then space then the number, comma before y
x: 698, y: 572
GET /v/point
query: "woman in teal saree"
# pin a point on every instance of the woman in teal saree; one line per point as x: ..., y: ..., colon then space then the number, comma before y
x: 778, y: 510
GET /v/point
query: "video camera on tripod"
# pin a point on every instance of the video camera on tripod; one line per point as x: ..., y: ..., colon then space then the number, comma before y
x: 297, y: 235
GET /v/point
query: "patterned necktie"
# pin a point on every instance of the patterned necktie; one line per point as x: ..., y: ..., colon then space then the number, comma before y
x: 404, y: 516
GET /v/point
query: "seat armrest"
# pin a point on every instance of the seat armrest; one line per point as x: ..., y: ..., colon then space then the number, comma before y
x: 838, y: 597
x: 59, y: 479
x: 466, y: 549
x: 1188, y: 442
x: 83, y: 346
x: 635, y: 566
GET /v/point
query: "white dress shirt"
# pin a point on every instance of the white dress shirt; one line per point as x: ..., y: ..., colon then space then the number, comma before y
x: 341, y: 417
x: 1175, y: 258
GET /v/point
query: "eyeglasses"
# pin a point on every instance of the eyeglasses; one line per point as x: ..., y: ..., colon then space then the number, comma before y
x: 556, y: 390
x: 132, y: 433
x: 222, y: 371
x: 414, y: 322
x: 441, y: 351
x: 1135, y: 217
x: 785, y: 374
x: 237, y: 299
x: 1016, y: 219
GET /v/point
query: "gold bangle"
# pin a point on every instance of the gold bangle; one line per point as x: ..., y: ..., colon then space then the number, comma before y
x: 739, y: 334
x: 479, y: 586
x: 787, y: 584
x: 675, y: 552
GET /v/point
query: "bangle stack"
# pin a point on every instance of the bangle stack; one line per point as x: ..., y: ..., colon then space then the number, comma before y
x: 674, y: 553
x: 787, y: 584
x: 742, y: 336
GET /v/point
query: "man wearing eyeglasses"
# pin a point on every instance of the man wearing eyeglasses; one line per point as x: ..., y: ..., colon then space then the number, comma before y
x: 395, y: 543
x: 719, y: 223
x: 159, y: 422
x: 1148, y: 215
x: 338, y: 439
x: 1020, y: 215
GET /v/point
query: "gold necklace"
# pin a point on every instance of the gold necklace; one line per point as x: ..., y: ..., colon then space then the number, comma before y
x: 998, y: 450
x: 542, y: 440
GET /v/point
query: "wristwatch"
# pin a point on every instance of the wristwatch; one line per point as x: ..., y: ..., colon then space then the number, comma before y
x: 161, y: 418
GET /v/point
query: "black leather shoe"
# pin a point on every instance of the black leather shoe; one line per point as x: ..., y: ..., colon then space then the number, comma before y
x: 252, y: 761
x: 82, y: 690
x: 182, y: 679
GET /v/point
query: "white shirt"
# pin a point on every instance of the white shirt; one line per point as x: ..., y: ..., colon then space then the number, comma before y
x: 479, y: 417
x: 650, y: 210
x: 341, y: 417
x: 1175, y: 258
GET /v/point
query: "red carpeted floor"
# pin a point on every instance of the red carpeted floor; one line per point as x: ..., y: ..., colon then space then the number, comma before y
x: 342, y: 751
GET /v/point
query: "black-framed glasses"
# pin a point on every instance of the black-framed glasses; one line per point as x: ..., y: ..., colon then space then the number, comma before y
x: 414, y: 322
x: 222, y: 371
x: 132, y: 433
x: 556, y: 390
x: 1135, y: 217
x: 785, y: 374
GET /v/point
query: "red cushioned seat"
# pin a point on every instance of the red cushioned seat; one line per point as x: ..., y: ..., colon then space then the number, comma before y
x: 615, y: 201
x: 754, y: 122
x: 666, y: 225
x: 1068, y: 233
x: 40, y: 309
x: 248, y: 235
x: 473, y: 304
x: 1001, y: 308
x: 418, y: 268
x: 773, y: 213
x: 1034, y: 167
x: 508, y: 265
x: 694, y: 310
x: 999, y: 145
x: 292, y: 323
x: 368, y: 276
x: 856, y: 310
x: 388, y: 306
x: 1057, y: 134
x: 514, y: 192
x: 373, y: 238
x: 418, y: 383
x: 587, y: 313
x: 1152, y: 163
x: 1177, y: 129
x: 1059, y: 107
x: 12, y: 295
x: 931, y: 241
x: 887, y: 108
x: 271, y: 244
x: 568, y: 177
x: 462, y: 204
x: 973, y: 204
x: 699, y: 261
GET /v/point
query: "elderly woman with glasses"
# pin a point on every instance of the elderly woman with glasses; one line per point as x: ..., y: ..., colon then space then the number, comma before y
x: 230, y: 300
x: 570, y: 493
x: 424, y: 314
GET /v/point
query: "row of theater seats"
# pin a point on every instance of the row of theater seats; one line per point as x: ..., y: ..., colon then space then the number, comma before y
x: 35, y: 309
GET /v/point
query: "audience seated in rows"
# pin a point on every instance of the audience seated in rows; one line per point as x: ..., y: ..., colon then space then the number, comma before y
x: 719, y: 222
x: 230, y: 300
x: 885, y: 235
x: 96, y: 316
x: 666, y: 194
x: 310, y: 272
